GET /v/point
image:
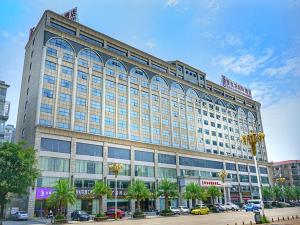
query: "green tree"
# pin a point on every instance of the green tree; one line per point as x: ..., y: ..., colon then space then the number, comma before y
x: 278, y: 193
x: 138, y: 191
x: 289, y: 193
x: 297, y: 192
x: 18, y: 170
x: 99, y: 190
x: 267, y: 193
x: 194, y: 191
x: 62, y: 195
x: 213, y: 192
x: 168, y: 189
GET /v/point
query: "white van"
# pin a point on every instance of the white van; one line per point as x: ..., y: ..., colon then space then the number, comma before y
x: 255, y: 202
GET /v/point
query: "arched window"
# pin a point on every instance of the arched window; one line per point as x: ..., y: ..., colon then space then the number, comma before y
x: 207, y: 98
x: 139, y: 76
x: 90, y: 55
x: 176, y: 89
x: 158, y: 83
x: 230, y: 106
x: 241, y: 113
x: 61, y: 44
x: 191, y: 95
x: 220, y: 103
x: 114, y: 67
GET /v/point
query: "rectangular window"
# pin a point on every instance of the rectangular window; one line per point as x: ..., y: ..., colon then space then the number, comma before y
x: 53, y: 164
x: 49, y: 79
x: 54, y: 145
x: 230, y: 166
x: 95, y: 118
x: 95, y: 105
x: 96, y: 80
x: 81, y: 88
x: 144, y: 156
x: 243, y: 168
x: 51, y: 52
x: 63, y: 125
x: 118, y: 153
x: 67, y: 70
x: 90, y: 167
x: 144, y: 171
x: 82, y: 75
x: 62, y: 28
x: 167, y: 159
x: 96, y: 92
x: 64, y: 97
x: 50, y: 65
x: 66, y: 84
x: 68, y: 57
x: 82, y: 62
x: 81, y: 101
x: 187, y: 161
x: 80, y: 115
x: 63, y: 112
x: 46, y: 108
x: 89, y: 149
x: 47, y: 93
x: 124, y: 172
x: 167, y: 172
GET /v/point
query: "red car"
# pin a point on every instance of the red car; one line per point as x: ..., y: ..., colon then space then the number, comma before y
x: 111, y: 213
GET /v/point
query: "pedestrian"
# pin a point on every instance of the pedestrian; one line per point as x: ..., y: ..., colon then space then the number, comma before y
x: 50, y: 215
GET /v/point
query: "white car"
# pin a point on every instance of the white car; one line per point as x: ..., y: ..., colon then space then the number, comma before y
x: 20, y: 215
x: 184, y: 210
x: 231, y: 206
x: 175, y: 210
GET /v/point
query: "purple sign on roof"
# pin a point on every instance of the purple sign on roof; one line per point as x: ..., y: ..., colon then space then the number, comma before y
x: 43, y: 193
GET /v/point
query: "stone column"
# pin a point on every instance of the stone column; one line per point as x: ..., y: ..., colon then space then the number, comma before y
x: 132, y: 171
x: 105, y: 171
x: 71, y: 208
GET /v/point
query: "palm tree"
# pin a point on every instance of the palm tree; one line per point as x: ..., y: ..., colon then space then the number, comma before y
x: 99, y: 190
x: 278, y: 193
x: 289, y: 193
x: 267, y: 193
x: 138, y: 191
x: 62, y: 195
x: 213, y: 192
x: 168, y: 189
x: 194, y: 191
x: 297, y: 192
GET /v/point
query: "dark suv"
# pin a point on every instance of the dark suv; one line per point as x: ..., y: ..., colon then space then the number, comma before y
x: 80, y: 215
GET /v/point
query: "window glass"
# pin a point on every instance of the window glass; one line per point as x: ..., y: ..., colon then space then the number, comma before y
x: 118, y: 153
x: 89, y: 149
x: 54, y: 145
x: 144, y: 156
x: 167, y: 159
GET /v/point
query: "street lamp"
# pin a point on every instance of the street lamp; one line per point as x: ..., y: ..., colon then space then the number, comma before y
x: 281, y: 180
x: 116, y: 169
x: 223, y: 174
x: 252, y: 139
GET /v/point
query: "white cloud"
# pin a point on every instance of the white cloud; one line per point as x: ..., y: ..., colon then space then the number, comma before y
x: 264, y: 93
x: 232, y: 40
x: 289, y: 66
x: 213, y: 5
x: 243, y: 64
x: 281, y: 126
x: 171, y: 3
x: 150, y: 44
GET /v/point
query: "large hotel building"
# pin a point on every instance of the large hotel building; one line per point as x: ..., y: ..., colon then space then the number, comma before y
x: 88, y: 100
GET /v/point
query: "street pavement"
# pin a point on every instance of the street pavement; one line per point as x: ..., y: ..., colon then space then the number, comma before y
x: 226, y: 218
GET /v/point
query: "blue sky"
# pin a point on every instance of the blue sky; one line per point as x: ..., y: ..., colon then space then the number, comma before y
x: 254, y: 42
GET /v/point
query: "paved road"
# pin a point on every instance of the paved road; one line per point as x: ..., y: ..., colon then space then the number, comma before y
x: 212, y: 219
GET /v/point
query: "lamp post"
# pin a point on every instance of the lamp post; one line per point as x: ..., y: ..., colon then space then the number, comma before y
x: 281, y: 180
x: 252, y: 139
x: 223, y: 174
x: 116, y: 169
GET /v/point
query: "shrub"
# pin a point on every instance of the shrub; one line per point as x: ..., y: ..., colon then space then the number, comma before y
x: 100, y: 215
x: 264, y: 219
x: 166, y: 212
x: 138, y: 214
x: 59, y: 217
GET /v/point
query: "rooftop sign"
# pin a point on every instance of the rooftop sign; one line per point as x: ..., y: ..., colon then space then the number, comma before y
x: 71, y: 14
x: 236, y: 87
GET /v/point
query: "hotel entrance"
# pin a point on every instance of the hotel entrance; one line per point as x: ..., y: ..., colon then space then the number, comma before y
x: 87, y: 205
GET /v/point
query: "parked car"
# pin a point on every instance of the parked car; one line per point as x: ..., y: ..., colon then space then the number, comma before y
x: 284, y: 204
x: 175, y: 210
x: 111, y: 213
x: 255, y: 202
x: 200, y: 210
x: 268, y: 204
x: 80, y: 215
x: 220, y: 207
x: 20, y: 215
x: 231, y: 206
x: 250, y: 207
x: 184, y: 210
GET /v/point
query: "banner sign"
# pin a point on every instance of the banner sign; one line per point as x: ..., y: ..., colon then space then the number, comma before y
x: 43, y: 192
x: 236, y: 87
x: 206, y: 183
x: 71, y: 14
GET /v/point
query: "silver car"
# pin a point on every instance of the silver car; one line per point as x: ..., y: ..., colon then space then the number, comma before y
x: 175, y: 210
x: 184, y: 210
x: 21, y: 215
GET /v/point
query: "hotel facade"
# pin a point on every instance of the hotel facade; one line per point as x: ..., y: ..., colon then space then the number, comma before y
x: 88, y: 100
